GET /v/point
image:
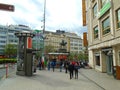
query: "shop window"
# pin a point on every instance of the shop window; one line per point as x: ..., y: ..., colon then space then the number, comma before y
x: 97, y: 59
x: 118, y: 18
x: 96, y: 32
x: 106, y: 26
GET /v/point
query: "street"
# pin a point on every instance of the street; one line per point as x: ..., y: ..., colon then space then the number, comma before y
x: 48, y: 80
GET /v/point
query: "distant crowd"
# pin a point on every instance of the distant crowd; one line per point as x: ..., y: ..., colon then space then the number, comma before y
x: 69, y: 66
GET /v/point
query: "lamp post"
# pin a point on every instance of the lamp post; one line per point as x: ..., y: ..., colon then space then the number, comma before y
x: 44, y: 16
x: 44, y: 28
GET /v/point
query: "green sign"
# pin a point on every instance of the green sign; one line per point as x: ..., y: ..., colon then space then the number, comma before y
x: 104, y: 9
x: 37, y: 31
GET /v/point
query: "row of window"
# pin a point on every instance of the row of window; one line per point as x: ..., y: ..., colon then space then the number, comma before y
x: 3, y: 32
x: 106, y: 25
x: 3, y: 37
x: 76, y: 48
x: 12, y: 41
x: 76, y: 44
x: 2, y: 46
x: 2, y: 41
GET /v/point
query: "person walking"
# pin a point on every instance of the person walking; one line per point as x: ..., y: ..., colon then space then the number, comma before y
x: 39, y: 64
x: 66, y: 63
x: 61, y: 65
x: 71, y: 69
x: 76, y: 67
x: 48, y: 65
x: 53, y: 63
x: 35, y: 65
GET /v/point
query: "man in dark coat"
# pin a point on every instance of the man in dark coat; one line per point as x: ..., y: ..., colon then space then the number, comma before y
x: 71, y: 69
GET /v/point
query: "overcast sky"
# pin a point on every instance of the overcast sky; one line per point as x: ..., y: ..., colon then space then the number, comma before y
x: 60, y: 14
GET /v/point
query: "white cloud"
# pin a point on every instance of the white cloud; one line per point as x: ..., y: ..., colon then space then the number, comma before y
x: 60, y: 14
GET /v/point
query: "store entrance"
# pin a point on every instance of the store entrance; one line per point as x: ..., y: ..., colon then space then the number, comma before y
x: 109, y: 64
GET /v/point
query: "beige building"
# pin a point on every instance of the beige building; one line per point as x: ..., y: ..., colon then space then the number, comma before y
x: 54, y: 39
x: 103, y: 34
x: 74, y: 42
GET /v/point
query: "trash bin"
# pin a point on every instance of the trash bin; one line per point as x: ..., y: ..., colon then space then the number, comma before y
x: 116, y: 72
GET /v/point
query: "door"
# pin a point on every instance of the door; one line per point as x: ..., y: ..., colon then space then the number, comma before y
x: 109, y: 64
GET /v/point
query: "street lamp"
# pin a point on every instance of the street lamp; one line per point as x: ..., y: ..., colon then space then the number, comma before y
x: 44, y: 26
x: 44, y: 16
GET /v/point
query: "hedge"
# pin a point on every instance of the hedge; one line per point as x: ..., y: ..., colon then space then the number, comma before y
x: 7, y: 60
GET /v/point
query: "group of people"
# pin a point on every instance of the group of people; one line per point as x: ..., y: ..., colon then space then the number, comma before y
x: 71, y: 66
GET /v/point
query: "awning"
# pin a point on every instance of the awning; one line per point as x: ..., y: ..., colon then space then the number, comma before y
x: 107, y: 49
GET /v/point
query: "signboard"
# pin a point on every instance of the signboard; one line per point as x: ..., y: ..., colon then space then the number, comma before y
x: 84, y: 12
x: 6, y: 7
x: 85, y: 42
x: 29, y: 42
x: 104, y: 9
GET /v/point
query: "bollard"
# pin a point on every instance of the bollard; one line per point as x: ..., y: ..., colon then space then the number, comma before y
x: 6, y: 70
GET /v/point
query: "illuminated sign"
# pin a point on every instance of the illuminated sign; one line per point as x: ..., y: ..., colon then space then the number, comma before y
x: 105, y: 8
x: 29, y: 42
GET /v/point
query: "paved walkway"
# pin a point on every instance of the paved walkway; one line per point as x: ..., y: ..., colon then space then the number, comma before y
x: 89, y: 79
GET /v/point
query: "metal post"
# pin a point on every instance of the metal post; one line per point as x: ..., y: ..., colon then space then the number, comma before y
x: 44, y: 16
x: 44, y: 25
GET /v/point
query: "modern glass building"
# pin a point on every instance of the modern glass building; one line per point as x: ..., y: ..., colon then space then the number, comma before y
x: 7, y: 35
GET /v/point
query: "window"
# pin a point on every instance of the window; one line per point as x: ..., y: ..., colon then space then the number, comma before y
x: 3, y: 32
x: 80, y: 44
x: 2, y: 42
x: 96, y: 32
x: 95, y: 10
x: 118, y: 18
x: 103, y: 2
x: 97, y: 59
x: 92, y: 0
x: 4, y: 37
x: 106, y: 26
x: 119, y: 57
x: 2, y: 46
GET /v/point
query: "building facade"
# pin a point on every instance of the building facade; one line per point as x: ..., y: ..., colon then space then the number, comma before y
x: 74, y: 42
x: 54, y: 39
x: 7, y: 35
x: 103, y: 34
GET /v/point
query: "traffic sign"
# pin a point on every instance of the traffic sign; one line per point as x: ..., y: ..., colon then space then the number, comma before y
x: 6, y: 7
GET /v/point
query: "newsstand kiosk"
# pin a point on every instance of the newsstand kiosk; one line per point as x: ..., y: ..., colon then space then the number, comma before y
x: 25, y: 55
